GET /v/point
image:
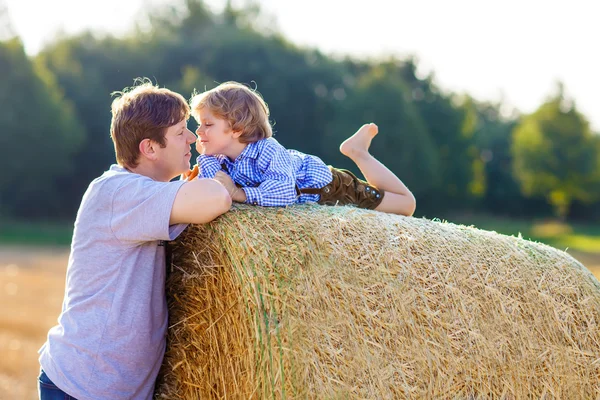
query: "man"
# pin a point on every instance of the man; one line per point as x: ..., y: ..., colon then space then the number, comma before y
x: 110, y: 338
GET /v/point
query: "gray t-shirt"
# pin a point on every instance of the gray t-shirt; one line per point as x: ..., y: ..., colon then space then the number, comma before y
x: 110, y: 340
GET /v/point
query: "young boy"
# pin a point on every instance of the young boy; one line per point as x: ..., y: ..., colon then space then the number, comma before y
x: 237, y: 149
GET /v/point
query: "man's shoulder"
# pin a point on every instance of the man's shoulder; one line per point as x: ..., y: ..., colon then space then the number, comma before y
x: 117, y: 176
x: 120, y: 182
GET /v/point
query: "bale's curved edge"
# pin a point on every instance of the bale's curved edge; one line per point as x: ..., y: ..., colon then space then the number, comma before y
x: 336, y: 302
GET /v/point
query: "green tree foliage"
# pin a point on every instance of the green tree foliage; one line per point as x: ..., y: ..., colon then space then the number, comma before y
x: 39, y: 133
x: 89, y: 69
x: 492, y: 140
x: 555, y: 154
x: 454, y: 154
x: 297, y: 84
x: 451, y: 130
x: 403, y: 144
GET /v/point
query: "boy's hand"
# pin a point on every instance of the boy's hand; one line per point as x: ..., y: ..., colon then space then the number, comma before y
x: 234, y: 191
x: 225, y: 180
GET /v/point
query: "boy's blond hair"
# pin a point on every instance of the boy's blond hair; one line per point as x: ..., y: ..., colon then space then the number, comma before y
x: 143, y: 111
x: 242, y: 107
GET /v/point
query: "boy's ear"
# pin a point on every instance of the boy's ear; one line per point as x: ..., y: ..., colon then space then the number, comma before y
x: 237, y: 134
x: 147, y: 149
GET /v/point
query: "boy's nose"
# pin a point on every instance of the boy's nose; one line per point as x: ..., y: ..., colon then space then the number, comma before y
x: 201, y: 134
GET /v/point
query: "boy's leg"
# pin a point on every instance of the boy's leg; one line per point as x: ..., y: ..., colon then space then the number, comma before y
x: 397, y: 199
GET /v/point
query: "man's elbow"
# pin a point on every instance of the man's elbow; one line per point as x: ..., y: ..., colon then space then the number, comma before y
x: 219, y: 203
x: 412, y: 205
x: 224, y: 200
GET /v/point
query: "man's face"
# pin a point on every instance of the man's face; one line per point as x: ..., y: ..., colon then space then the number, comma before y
x: 174, y: 158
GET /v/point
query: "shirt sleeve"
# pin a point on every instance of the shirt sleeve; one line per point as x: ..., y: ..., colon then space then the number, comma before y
x: 278, y: 187
x: 141, y: 210
x: 207, y: 166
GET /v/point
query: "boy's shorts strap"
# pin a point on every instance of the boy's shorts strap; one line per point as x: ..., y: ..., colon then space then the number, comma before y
x: 309, y: 190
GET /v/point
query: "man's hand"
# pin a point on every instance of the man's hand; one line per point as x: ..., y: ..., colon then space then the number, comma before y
x: 234, y: 191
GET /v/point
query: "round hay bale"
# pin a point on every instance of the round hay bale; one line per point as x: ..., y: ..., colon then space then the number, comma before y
x: 338, y: 302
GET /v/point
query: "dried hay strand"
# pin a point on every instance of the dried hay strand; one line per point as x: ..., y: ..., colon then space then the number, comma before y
x: 337, y: 302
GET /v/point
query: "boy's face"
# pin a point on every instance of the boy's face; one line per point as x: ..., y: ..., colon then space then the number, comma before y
x: 216, y: 137
x: 174, y: 158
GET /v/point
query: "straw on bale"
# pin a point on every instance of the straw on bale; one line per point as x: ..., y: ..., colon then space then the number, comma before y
x: 337, y: 302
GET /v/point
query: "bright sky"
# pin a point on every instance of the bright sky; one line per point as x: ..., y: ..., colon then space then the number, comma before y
x: 509, y: 49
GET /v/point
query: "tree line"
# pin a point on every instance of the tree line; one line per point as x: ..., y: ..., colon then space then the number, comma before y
x: 456, y: 153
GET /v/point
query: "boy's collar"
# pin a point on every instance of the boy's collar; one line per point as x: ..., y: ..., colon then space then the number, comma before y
x: 250, y: 151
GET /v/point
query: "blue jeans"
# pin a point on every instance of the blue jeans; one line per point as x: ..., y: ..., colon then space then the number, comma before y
x: 49, y: 391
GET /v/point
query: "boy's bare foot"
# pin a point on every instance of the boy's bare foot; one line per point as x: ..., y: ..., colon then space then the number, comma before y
x: 359, y: 143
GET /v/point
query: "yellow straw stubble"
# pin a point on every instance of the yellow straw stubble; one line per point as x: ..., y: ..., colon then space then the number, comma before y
x: 337, y: 302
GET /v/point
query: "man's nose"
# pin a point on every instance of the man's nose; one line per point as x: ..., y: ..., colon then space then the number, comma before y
x: 191, y: 136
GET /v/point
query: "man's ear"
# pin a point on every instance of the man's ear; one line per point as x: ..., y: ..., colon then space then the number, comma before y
x: 147, y: 149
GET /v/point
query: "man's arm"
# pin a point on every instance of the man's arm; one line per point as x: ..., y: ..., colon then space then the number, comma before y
x: 199, y: 201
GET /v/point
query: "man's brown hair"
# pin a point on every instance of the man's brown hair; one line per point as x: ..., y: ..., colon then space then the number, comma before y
x: 242, y: 107
x: 143, y: 111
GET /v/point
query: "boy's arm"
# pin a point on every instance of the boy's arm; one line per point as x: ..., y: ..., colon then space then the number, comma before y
x: 199, y: 201
x: 278, y: 187
x: 207, y: 166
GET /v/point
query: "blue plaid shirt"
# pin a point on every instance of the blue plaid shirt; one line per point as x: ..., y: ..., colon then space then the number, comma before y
x: 269, y: 173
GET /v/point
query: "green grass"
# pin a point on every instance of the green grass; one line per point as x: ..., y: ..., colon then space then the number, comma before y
x: 561, y: 235
x: 35, y: 233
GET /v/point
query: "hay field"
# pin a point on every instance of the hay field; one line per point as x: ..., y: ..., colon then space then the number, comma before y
x: 31, y: 290
x: 32, y: 282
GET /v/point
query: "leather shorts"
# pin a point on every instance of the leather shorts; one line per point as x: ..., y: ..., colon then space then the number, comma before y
x: 346, y: 189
